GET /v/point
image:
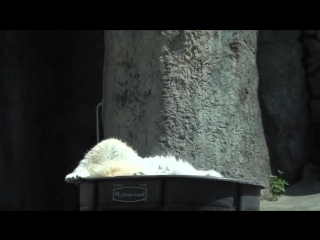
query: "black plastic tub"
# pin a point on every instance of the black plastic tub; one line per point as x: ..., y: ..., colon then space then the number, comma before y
x: 169, y: 193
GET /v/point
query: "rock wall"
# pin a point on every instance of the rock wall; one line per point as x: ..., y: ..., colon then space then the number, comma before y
x: 311, y: 42
x: 284, y: 100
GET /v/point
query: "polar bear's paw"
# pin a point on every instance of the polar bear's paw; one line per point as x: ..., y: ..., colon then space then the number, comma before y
x: 213, y: 173
x: 73, y: 178
x: 138, y: 174
x: 76, y: 177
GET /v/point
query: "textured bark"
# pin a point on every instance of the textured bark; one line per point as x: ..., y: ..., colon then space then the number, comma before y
x: 284, y: 97
x: 192, y: 94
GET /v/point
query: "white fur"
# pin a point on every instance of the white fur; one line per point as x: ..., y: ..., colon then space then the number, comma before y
x: 112, y: 157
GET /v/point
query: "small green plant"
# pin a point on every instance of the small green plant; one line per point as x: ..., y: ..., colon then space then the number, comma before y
x: 277, y: 185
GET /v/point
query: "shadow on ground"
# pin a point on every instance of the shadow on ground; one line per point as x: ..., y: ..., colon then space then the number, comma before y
x: 303, y: 196
x: 303, y: 188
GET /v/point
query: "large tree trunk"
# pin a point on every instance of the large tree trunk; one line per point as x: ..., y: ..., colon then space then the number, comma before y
x: 192, y: 94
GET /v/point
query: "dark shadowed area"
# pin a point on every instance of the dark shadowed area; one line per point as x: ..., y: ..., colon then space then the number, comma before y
x: 283, y: 98
x: 50, y: 84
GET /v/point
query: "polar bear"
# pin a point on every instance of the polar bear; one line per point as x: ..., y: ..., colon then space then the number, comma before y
x: 112, y: 157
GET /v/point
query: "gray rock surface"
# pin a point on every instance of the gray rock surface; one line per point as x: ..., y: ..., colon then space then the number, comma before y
x: 303, y: 196
x: 308, y: 201
x: 192, y: 94
x: 284, y: 97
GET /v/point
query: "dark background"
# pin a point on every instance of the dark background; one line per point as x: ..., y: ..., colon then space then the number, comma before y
x: 50, y: 85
